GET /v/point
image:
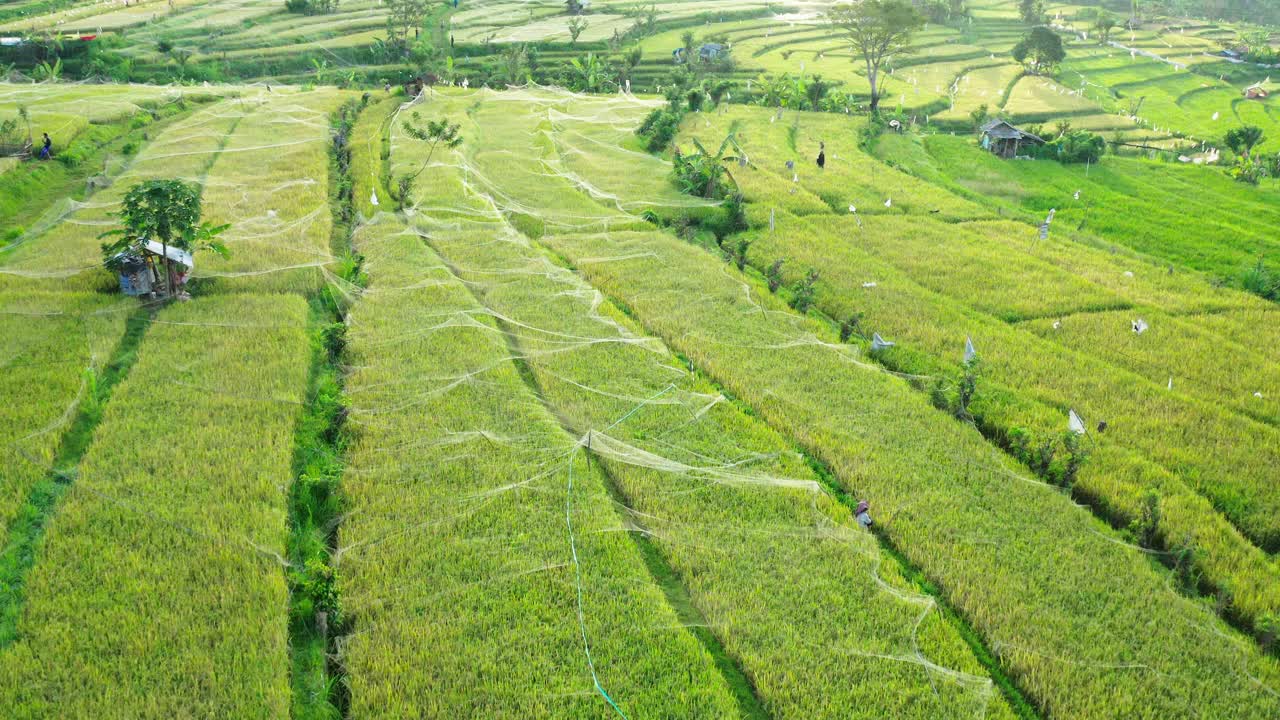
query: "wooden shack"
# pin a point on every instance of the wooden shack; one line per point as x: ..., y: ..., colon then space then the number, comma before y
x: 153, y: 270
x: 1005, y: 140
x: 1256, y: 92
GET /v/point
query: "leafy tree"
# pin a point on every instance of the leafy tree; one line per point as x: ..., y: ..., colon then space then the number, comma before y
x: 688, y: 45
x: 877, y: 30
x: 9, y: 129
x: 515, y: 60
x: 660, y: 128
x: 1104, y: 24
x: 1040, y: 51
x: 631, y: 60
x: 695, y: 97
x: 576, y: 26
x: 9, y: 132
x: 1243, y: 140
x: 435, y: 133
x: 815, y: 90
x: 1032, y: 11
x: 716, y: 89
x: 163, y: 211
x: 943, y: 11
x: 403, y: 16
x: 773, y: 276
x: 980, y: 115
x: 649, y: 17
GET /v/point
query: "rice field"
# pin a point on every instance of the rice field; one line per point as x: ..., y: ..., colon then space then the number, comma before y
x: 894, y: 272
x: 55, y: 347
x: 548, y: 437
x: 159, y: 590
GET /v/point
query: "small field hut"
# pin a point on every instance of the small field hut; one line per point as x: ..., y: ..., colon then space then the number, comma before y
x: 1256, y: 92
x: 1005, y: 140
x: 158, y: 270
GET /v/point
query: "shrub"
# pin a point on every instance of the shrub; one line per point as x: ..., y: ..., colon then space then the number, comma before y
x: 1076, y: 146
x: 773, y: 276
x: 804, y: 292
x: 659, y: 128
x: 1261, y: 280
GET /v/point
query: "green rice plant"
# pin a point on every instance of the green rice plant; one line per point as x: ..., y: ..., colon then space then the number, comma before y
x: 774, y: 564
x: 279, y: 235
x: 1174, y: 213
x: 70, y: 245
x: 50, y: 341
x: 927, y: 329
x: 158, y: 589
x: 1178, y: 352
x: 954, y: 504
x: 849, y: 179
x: 481, y: 558
x: 1039, y: 99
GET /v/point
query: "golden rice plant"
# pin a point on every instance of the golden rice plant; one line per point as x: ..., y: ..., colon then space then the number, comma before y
x: 158, y: 589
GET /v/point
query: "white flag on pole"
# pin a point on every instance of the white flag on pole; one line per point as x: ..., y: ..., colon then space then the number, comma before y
x: 1044, y: 227
x: 970, y: 352
x: 1140, y: 326
x: 879, y: 343
x: 1074, y: 423
x: 373, y: 198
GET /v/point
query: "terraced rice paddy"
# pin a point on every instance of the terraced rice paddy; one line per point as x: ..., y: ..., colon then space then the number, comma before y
x: 548, y: 437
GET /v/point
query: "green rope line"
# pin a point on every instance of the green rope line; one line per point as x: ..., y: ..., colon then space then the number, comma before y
x: 577, y: 572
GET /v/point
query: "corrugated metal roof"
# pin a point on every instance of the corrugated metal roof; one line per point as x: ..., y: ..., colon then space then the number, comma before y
x: 1002, y: 130
x: 175, y: 254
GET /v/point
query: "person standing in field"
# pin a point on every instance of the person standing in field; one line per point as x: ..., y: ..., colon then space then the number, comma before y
x: 822, y: 155
x: 863, y: 514
x: 46, y: 150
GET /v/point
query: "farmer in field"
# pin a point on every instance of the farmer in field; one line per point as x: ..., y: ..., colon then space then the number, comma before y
x: 46, y: 150
x: 822, y: 155
x: 863, y: 514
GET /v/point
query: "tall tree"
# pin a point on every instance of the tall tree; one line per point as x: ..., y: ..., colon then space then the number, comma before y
x: 1040, y: 51
x: 402, y: 17
x: 1104, y: 23
x: 1032, y: 11
x: 877, y: 30
x: 515, y: 60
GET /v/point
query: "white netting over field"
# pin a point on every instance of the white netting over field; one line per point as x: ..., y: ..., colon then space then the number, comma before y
x: 482, y: 206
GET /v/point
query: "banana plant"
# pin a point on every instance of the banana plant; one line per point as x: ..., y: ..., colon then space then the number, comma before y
x: 704, y: 174
x: 589, y: 74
